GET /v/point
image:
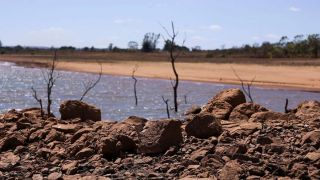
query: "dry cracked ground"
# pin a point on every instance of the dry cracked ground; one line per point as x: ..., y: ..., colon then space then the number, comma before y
x: 227, y: 138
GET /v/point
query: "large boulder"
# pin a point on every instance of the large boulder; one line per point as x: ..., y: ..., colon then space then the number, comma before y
x: 232, y: 96
x: 158, y: 136
x: 244, y: 111
x: 308, y: 109
x: 220, y: 109
x: 72, y: 109
x: 203, y: 125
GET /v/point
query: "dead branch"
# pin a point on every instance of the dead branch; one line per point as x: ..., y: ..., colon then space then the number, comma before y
x: 245, y: 88
x: 35, y: 96
x: 167, y: 106
x: 173, y: 57
x: 135, y: 84
x: 286, y: 110
x: 91, y: 84
x: 50, y: 79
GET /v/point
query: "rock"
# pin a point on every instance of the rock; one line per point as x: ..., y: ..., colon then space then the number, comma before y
x: 85, y: 153
x: 193, y: 110
x: 12, y: 141
x: 244, y: 111
x: 54, y: 135
x: 72, y: 109
x: 38, y: 135
x: 308, y: 109
x: 125, y: 143
x: 8, y: 160
x: 55, y: 176
x: 108, y: 147
x: 132, y: 126
x: 268, y: 116
x: 232, y: 96
x: 203, y: 125
x: 220, y: 109
x: 158, y: 136
x: 312, y: 137
x: 200, y: 153
x: 313, y: 156
x: 79, y: 133
x: 37, y: 177
x: 69, y: 167
x: 231, y: 170
x: 66, y: 128
x: 263, y: 140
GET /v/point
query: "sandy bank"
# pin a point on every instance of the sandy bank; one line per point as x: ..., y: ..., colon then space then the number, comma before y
x: 295, y: 77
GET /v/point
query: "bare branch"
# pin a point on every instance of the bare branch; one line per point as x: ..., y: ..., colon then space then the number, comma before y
x: 35, y: 96
x: 167, y: 106
x: 135, y: 84
x: 246, y: 89
x: 90, y: 85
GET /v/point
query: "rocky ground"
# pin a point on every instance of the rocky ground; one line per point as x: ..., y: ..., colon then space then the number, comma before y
x: 225, y: 139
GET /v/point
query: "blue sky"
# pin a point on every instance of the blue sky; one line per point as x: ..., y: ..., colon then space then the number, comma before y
x: 207, y: 23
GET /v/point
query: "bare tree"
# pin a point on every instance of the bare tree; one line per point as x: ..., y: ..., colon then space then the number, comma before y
x: 245, y: 87
x: 91, y: 84
x: 35, y: 96
x: 50, y: 78
x: 173, y: 57
x: 167, y: 106
x: 135, y: 84
x: 286, y: 110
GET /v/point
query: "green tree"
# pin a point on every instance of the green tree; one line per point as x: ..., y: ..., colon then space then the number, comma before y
x: 314, y: 44
x: 150, y: 41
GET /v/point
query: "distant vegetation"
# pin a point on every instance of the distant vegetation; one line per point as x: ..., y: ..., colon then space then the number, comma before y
x: 300, y: 46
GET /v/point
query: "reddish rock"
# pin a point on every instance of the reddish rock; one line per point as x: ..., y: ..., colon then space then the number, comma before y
x: 66, y: 128
x: 85, y: 153
x: 8, y: 160
x: 231, y: 170
x: 193, y: 110
x: 312, y: 137
x: 244, y: 111
x: 12, y: 141
x: 158, y: 136
x: 203, y: 125
x: 308, y: 109
x: 72, y: 109
x: 54, y: 135
x: 232, y: 96
x: 220, y: 109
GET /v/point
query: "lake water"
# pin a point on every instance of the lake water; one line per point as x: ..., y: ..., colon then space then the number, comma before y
x: 114, y: 94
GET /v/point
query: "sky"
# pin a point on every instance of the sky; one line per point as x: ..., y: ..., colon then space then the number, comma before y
x: 207, y: 23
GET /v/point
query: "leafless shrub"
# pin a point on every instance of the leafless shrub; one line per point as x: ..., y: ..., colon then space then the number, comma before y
x: 50, y: 77
x: 246, y: 88
x: 135, y: 84
x: 91, y: 84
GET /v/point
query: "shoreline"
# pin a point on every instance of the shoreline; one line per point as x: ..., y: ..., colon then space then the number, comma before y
x: 196, y: 72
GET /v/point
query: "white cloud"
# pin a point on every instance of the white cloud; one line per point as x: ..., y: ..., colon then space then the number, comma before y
x: 215, y: 27
x: 294, y: 9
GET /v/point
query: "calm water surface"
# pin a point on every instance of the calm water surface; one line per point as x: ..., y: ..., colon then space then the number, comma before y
x: 114, y: 94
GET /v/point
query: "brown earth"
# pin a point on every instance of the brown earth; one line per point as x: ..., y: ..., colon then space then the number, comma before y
x: 303, y: 74
x: 258, y: 144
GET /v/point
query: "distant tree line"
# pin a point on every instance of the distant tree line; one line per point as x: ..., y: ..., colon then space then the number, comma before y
x: 300, y: 46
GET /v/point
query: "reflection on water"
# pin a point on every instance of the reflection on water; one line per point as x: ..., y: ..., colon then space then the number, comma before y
x: 114, y: 94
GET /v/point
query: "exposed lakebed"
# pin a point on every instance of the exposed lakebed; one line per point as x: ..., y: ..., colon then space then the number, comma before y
x: 114, y: 94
